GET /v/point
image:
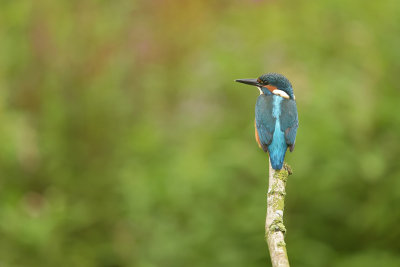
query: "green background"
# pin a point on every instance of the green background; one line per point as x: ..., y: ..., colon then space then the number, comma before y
x: 125, y: 142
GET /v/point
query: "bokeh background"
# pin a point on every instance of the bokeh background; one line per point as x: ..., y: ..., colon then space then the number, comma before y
x: 125, y: 142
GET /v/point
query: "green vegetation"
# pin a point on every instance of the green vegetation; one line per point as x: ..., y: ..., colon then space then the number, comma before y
x: 125, y: 142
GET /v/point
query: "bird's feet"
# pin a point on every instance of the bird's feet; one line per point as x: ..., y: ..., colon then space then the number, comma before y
x: 287, y: 168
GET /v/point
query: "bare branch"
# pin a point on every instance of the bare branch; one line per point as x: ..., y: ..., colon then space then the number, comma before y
x: 274, y: 227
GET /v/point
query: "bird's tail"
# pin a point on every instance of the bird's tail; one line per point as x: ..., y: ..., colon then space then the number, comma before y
x: 277, y: 158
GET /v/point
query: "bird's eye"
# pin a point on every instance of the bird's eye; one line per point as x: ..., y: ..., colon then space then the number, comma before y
x: 262, y: 82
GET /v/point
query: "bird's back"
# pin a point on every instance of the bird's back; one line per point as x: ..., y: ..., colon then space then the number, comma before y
x: 269, y: 127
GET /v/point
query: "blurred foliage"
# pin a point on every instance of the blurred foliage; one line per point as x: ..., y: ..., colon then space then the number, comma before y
x: 125, y: 142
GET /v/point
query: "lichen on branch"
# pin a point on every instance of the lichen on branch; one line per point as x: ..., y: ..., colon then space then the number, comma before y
x: 274, y: 227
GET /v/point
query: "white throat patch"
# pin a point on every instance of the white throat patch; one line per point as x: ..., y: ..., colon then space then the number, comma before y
x: 281, y: 93
x: 259, y: 88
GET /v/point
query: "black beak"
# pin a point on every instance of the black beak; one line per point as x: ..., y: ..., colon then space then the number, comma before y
x: 249, y: 82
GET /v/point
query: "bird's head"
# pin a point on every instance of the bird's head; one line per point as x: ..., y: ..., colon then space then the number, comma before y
x: 272, y: 83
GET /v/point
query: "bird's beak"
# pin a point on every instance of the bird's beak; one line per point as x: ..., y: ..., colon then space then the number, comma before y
x: 249, y: 82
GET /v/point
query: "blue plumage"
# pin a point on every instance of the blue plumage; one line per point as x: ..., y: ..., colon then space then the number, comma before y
x: 276, y: 116
x: 273, y: 122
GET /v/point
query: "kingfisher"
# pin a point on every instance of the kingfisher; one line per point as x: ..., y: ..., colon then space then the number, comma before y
x: 276, y: 115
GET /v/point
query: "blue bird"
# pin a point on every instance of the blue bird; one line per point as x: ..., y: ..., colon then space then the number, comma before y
x: 276, y: 120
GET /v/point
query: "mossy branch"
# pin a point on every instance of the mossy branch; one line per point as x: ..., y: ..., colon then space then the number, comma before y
x: 274, y: 227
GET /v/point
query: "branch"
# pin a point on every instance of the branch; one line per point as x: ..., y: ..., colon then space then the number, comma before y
x: 274, y: 227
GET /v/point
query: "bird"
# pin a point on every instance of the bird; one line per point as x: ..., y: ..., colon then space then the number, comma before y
x: 276, y: 117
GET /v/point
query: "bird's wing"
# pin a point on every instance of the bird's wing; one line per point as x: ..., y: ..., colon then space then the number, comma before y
x: 265, y: 122
x: 289, y: 121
